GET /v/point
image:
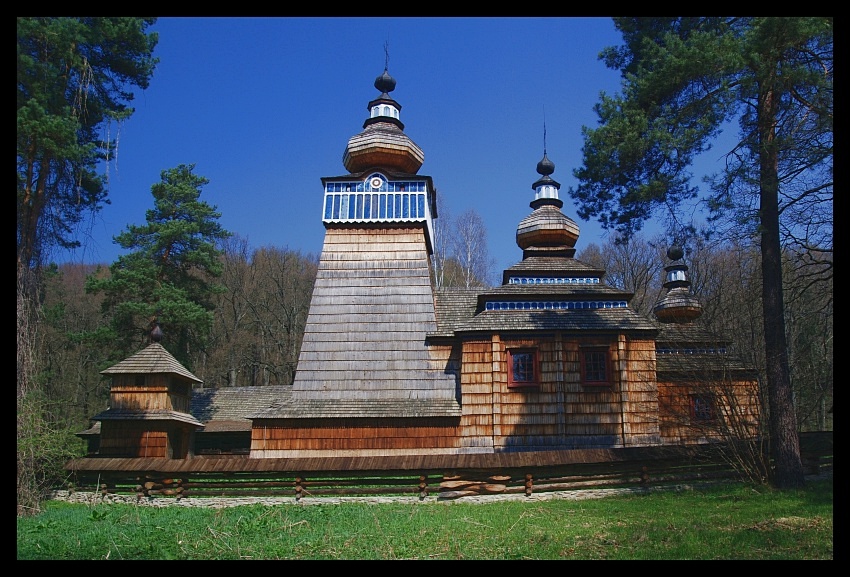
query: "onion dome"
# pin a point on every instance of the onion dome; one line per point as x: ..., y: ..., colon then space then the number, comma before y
x: 678, y: 305
x: 385, y: 83
x: 547, y: 227
x: 383, y: 143
x: 545, y: 166
x: 156, y: 334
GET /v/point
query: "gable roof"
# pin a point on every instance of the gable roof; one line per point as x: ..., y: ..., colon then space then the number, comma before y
x: 146, y: 415
x: 152, y: 359
x: 228, y: 408
x: 460, y: 310
x: 692, y: 348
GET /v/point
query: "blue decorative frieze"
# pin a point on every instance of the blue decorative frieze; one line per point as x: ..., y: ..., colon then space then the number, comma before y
x: 691, y: 351
x: 553, y: 305
x: 553, y: 280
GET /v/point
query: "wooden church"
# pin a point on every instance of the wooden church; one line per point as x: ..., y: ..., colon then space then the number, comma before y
x: 551, y: 360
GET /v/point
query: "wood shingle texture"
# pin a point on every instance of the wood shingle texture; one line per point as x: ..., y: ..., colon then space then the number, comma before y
x: 152, y: 359
x: 364, y: 351
x: 162, y: 392
x: 228, y: 409
x: 464, y: 310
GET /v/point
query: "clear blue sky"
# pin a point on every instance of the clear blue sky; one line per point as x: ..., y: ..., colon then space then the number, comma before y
x: 264, y: 107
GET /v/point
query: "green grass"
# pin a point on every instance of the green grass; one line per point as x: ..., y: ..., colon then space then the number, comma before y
x: 722, y: 522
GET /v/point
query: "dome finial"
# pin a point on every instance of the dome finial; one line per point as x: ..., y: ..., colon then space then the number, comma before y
x: 544, y: 130
x: 545, y: 167
x: 385, y: 83
x: 675, y: 252
x: 386, y: 54
x: 156, y: 333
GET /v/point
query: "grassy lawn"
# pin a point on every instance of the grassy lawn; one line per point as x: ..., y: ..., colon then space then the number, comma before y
x: 722, y: 522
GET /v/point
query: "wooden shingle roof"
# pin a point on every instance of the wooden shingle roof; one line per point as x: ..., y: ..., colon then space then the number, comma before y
x: 687, y: 333
x: 691, y: 348
x: 365, y: 336
x: 146, y: 415
x: 699, y: 364
x: 586, y: 320
x: 228, y: 408
x: 152, y: 359
x: 454, y: 307
x: 460, y: 310
x: 554, y: 264
x: 555, y: 291
x: 363, y: 408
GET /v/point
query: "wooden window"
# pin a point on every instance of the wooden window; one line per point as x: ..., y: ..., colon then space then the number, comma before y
x: 523, y: 369
x: 702, y: 408
x: 595, y: 367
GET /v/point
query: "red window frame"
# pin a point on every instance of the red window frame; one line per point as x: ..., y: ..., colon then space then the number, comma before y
x: 595, y: 366
x: 703, y: 408
x: 523, y: 368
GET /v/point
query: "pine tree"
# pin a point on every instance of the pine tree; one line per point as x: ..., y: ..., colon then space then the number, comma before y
x: 684, y: 79
x: 168, y: 277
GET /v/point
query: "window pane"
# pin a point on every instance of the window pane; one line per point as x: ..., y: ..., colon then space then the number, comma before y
x: 702, y: 408
x: 523, y: 367
x: 594, y: 366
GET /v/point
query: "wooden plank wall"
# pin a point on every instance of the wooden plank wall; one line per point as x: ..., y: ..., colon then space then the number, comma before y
x: 158, y: 392
x: 342, y: 437
x: 737, y: 404
x: 561, y: 412
x: 481, y: 401
x: 138, y: 397
x: 636, y: 368
x: 133, y: 439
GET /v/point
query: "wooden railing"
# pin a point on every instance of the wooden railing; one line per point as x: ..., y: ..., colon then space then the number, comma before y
x: 817, y: 458
x: 458, y: 484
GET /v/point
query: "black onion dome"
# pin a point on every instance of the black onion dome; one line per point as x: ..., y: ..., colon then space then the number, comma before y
x: 675, y: 252
x: 545, y: 166
x: 385, y: 83
x: 156, y: 333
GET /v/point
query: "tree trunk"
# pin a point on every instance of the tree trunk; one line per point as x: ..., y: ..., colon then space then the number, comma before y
x: 788, y: 470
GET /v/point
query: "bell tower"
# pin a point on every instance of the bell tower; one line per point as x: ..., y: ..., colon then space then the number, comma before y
x: 364, y: 351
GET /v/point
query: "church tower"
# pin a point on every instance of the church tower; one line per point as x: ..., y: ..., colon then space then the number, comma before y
x: 364, y: 352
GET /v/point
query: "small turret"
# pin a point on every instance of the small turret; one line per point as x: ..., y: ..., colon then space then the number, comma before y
x: 678, y: 305
x: 546, y: 231
x: 383, y: 143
